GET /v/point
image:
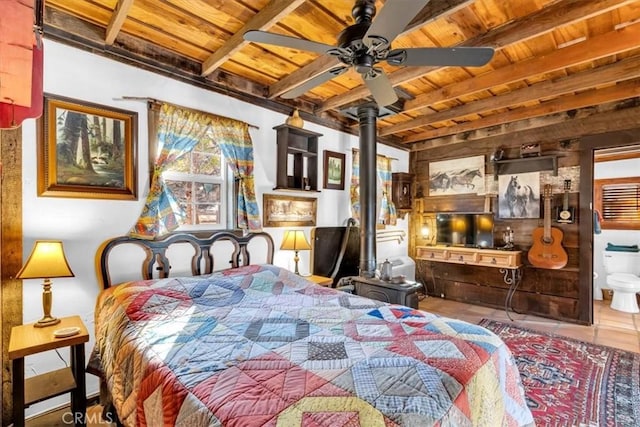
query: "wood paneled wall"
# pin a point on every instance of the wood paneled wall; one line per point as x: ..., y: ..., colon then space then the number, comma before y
x: 544, y: 292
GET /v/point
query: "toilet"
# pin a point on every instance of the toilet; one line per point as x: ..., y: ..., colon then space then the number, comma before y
x: 623, y: 277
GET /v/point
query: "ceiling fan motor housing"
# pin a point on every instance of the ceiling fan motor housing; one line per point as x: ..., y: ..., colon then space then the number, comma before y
x: 363, y: 11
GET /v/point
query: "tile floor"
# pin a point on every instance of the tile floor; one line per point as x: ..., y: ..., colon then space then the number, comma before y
x: 611, y: 327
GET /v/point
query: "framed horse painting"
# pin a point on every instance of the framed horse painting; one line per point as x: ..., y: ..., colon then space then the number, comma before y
x: 519, y: 195
x: 457, y: 176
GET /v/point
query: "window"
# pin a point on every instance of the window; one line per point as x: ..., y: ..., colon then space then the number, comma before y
x: 198, y: 181
x: 618, y: 201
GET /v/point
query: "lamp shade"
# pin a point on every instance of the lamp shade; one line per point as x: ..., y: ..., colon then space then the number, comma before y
x: 47, y: 260
x: 295, y: 240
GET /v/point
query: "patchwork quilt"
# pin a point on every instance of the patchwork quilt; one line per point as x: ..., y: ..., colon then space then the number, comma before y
x: 261, y: 346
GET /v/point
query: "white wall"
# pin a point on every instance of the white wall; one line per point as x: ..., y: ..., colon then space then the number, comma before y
x: 83, y: 224
x: 605, y: 170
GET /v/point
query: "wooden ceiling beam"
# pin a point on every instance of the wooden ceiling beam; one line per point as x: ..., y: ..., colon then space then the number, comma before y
x: 269, y: 15
x: 117, y: 19
x: 589, y: 121
x: 564, y: 12
x: 303, y: 75
x: 435, y: 9
x: 601, y: 46
x: 625, y: 90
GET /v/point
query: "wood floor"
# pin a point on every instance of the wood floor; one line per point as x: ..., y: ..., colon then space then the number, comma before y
x: 612, y: 328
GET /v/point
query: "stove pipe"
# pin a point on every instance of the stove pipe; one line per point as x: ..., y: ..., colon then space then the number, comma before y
x: 367, y: 116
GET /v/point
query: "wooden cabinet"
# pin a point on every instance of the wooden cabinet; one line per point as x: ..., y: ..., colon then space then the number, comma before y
x: 401, y: 190
x: 297, y: 158
x: 27, y: 340
x: 471, y: 256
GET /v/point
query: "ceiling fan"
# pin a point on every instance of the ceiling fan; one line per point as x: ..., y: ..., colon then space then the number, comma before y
x: 368, y: 42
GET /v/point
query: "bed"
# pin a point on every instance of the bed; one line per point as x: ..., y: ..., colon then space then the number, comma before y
x: 245, y: 344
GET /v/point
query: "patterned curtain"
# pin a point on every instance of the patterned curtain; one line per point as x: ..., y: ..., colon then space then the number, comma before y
x: 179, y: 131
x: 235, y: 142
x: 387, y: 213
x: 354, y: 190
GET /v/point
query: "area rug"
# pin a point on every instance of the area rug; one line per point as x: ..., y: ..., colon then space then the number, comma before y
x: 573, y: 383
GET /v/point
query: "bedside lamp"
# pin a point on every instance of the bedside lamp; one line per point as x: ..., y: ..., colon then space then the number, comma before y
x: 47, y: 260
x: 295, y: 240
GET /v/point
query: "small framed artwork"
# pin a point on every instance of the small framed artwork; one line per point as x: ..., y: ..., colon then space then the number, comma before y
x: 334, y: 170
x: 86, y: 150
x: 287, y: 211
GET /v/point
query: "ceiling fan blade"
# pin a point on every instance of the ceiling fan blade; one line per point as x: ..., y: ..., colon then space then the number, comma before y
x: 392, y: 19
x: 286, y: 41
x: 315, y: 81
x: 380, y: 87
x: 441, y: 56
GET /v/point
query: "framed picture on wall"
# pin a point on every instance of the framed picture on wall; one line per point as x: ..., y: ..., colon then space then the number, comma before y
x: 86, y: 150
x: 457, y: 176
x: 286, y: 211
x: 334, y: 166
x: 519, y: 195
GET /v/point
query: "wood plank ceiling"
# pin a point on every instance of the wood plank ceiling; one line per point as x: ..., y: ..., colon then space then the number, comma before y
x: 554, y: 59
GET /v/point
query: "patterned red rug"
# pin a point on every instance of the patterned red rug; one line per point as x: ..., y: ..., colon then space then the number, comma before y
x: 573, y: 383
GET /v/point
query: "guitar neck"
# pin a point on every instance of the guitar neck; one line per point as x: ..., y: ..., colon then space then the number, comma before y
x: 547, y: 219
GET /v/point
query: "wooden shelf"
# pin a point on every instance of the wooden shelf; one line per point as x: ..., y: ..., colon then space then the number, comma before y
x: 525, y: 164
x: 47, y: 385
x: 300, y: 147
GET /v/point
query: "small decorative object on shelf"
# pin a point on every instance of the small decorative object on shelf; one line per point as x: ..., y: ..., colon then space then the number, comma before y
x: 295, y: 120
x: 507, y: 236
x: 529, y: 150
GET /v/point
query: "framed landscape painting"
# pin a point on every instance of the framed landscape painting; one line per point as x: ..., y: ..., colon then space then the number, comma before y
x: 286, y: 211
x: 334, y: 165
x: 86, y: 150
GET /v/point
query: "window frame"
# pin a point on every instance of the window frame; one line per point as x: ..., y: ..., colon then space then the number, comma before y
x: 226, y: 193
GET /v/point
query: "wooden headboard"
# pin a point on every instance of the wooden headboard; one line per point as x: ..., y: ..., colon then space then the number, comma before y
x: 202, y: 261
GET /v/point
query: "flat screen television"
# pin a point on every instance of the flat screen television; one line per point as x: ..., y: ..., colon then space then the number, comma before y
x: 473, y: 230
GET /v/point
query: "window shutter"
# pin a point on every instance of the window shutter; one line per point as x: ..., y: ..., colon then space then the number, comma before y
x: 618, y: 201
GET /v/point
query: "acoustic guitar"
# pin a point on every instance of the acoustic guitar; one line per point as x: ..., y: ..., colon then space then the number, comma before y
x: 547, y: 250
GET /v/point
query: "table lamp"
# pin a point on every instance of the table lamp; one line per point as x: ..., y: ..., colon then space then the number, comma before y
x: 47, y: 260
x: 295, y: 240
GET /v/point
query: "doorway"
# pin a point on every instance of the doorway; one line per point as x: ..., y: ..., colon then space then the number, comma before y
x: 588, y: 147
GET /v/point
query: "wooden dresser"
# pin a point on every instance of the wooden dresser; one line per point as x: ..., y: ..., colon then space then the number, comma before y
x: 472, y: 256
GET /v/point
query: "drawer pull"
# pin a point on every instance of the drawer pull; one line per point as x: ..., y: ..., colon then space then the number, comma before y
x: 461, y: 258
x: 432, y: 255
x: 493, y: 261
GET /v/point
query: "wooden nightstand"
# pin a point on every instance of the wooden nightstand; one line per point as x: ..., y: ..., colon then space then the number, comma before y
x: 27, y: 340
x: 320, y: 280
